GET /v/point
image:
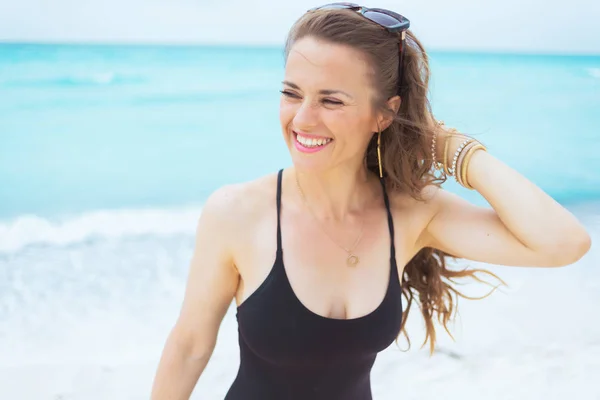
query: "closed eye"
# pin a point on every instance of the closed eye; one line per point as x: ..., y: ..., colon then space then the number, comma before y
x: 327, y: 101
x: 289, y: 94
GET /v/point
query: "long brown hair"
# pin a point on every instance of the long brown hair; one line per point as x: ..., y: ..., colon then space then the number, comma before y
x: 405, y: 145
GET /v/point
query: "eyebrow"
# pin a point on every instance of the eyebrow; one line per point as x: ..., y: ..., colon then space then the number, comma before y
x: 325, y: 92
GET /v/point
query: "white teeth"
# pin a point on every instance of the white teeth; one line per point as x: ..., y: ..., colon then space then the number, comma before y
x: 310, y: 142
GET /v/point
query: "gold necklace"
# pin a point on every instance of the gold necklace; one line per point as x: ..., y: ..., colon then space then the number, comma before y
x: 352, y: 258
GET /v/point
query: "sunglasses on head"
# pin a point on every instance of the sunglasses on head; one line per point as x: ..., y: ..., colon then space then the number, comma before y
x: 387, y: 19
x: 390, y: 20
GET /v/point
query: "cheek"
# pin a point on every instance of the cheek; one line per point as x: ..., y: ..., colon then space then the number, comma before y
x: 343, y: 123
x: 353, y: 129
x: 286, y: 112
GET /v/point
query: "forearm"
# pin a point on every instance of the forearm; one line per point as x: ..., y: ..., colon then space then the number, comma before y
x: 531, y: 215
x: 178, y: 372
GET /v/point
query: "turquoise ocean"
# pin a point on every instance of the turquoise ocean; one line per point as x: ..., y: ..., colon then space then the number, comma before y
x: 108, y: 152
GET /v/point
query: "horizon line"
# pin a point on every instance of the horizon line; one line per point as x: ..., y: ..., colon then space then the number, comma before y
x: 271, y: 45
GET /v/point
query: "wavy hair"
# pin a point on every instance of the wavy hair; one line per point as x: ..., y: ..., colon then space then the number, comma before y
x: 405, y: 147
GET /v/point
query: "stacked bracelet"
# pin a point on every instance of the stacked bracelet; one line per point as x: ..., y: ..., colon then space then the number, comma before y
x: 459, y: 174
x: 466, y: 160
x: 445, y: 161
x: 460, y: 160
x: 457, y: 154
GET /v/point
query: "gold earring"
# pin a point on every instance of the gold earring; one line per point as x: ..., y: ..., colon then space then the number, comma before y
x: 379, y: 154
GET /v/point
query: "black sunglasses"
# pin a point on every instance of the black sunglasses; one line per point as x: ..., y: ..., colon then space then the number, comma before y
x: 389, y: 20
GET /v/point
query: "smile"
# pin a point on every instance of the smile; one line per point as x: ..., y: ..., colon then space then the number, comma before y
x: 310, y: 144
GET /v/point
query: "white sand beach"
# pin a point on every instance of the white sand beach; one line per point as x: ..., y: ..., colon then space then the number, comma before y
x: 537, y: 339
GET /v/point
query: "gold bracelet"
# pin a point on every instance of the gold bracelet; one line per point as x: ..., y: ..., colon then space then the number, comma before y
x: 459, y: 150
x: 467, y: 160
x: 445, y: 158
x: 458, y: 175
x: 452, y: 133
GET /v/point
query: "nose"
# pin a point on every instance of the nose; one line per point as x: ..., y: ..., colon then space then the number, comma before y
x: 307, y: 116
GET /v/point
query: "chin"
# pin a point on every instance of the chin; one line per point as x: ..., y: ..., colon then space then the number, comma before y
x: 302, y: 164
x: 308, y: 162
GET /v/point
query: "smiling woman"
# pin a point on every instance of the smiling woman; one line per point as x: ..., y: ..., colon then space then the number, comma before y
x: 319, y: 256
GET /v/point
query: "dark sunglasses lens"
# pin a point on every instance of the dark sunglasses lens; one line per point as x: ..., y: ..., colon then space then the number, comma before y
x: 382, y: 19
x: 337, y: 6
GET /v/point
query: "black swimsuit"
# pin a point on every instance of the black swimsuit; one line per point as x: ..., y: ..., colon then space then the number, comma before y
x: 288, y: 352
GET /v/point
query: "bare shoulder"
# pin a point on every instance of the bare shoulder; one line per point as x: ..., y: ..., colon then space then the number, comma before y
x: 404, y: 203
x: 238, y: 198
x: 414, y: 214
x: 236, y: 210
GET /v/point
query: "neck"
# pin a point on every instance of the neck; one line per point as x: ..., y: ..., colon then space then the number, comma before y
x: 336, y: 194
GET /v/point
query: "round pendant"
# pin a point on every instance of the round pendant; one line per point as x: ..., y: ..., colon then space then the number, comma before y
x: 352, y: 260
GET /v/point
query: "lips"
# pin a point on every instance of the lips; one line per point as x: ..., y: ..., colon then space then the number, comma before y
x: 310, y: 143
x: 311, y: 140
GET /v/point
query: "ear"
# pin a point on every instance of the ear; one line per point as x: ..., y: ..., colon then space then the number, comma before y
x: 384, y: 120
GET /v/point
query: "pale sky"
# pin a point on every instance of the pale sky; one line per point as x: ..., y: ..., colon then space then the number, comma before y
x: 508, y: 25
